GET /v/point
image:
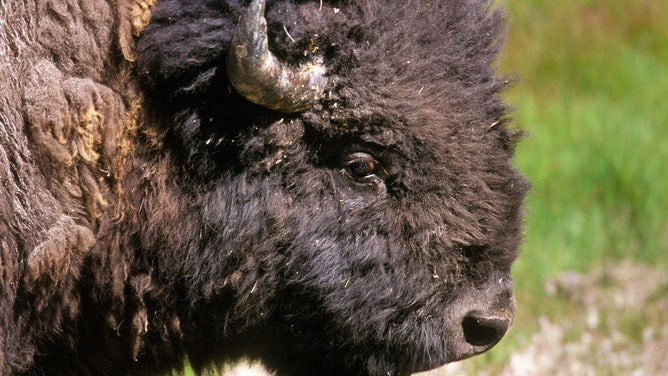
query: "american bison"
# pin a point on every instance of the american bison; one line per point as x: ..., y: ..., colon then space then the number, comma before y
x: 323, y: 186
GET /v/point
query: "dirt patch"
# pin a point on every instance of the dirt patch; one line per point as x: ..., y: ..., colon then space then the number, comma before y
x: 621, y: 326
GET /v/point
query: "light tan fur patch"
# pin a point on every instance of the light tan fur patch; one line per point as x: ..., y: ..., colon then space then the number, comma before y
x: 140, y: 13
x: 134, y: 18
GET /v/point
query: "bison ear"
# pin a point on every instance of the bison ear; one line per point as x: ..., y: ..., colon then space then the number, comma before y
x: 257, y: 75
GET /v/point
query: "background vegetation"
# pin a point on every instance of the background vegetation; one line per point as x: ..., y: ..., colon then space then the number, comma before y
x: 592, y: 96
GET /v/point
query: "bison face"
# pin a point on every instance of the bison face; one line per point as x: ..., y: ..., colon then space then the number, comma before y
x: 370, y: 232
x: 400, y: 249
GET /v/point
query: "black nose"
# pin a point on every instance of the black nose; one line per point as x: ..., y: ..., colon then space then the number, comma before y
x: 485, y: 330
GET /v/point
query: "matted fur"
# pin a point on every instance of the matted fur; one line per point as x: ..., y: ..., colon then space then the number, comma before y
x: 149, y: 215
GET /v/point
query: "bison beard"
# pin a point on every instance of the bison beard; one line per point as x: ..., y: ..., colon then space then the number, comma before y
x: 150, y: 214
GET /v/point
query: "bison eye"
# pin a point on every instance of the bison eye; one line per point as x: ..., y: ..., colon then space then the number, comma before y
x: 362, y: 167
x: 364, y: 171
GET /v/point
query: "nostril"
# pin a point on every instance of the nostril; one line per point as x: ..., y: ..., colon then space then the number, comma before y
x: 480, y: 330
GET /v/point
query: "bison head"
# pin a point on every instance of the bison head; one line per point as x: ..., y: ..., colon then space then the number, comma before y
x: 370, y: 225
x: 324, y: 186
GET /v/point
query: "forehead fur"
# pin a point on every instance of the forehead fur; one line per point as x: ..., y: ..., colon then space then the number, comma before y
x: 396, y: 63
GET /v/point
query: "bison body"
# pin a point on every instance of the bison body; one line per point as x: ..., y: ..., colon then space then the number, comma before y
x: 150, y: 214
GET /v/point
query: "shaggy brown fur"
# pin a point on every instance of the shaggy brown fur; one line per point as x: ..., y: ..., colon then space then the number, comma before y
x: 148, y: 214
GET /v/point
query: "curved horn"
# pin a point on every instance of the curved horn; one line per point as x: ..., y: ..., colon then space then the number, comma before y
x: 260, y: 77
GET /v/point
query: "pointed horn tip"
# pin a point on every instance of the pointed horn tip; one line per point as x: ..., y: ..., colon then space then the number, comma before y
x: 260, y: 77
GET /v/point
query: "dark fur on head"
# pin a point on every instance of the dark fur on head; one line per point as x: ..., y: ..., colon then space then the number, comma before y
x: 347, y: 239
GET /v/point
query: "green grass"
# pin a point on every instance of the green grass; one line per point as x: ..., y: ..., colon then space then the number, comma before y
x: 592, y: 95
